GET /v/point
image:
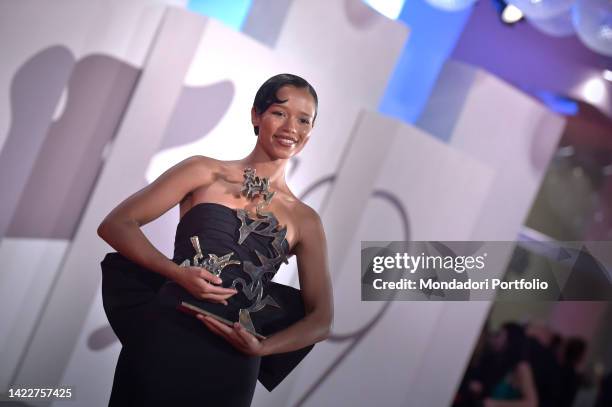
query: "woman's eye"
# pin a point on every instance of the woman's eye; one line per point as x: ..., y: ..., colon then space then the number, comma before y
x: 305, y: 121
x: 278, y: 113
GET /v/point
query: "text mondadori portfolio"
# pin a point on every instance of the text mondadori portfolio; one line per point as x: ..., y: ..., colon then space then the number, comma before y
x: 469, y: 284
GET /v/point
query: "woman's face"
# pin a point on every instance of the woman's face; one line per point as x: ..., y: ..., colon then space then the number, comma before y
x: 284, y: 128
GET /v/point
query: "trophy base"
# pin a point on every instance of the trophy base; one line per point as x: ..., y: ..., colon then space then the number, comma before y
x: 195, y: 310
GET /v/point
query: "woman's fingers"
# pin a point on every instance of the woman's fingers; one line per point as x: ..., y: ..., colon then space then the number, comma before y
x: 211, y: 325
x: 237, y: 335
x: 218, y: 330
x: 218, y: 325
x: 202, y: 284
x: 215, y: 297
x: 221, y: 329
x: 211, y: 292
x: 207, y: 287
x: 244, y: 336
x: 210, y: 277
x: 248, y: 337
x: 213, y: 289
x: 211, y: 282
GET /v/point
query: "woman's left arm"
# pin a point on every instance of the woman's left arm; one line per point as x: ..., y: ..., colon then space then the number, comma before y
x: 316, y: 288
x: 315, y: 285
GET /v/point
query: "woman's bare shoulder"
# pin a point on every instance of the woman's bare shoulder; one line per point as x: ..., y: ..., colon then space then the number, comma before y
x: 202, y: 161
x: 308, y: 220
x: 302, y: 212
x: 209, y: 167
x: 191, y: 174
x: 310, y: 232
x: 307, y: 212
x: 214, y: 165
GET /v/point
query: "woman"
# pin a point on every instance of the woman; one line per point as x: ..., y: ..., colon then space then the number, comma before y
x: 229, y: 207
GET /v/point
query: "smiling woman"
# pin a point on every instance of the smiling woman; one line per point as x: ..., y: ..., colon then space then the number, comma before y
x: 283, y: 114
x: 239, y: 222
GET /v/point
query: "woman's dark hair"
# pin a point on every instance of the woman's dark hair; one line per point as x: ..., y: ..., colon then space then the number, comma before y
x: 266, y: 95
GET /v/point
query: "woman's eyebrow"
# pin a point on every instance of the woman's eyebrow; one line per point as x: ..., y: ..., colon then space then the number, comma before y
x: 285, y: 108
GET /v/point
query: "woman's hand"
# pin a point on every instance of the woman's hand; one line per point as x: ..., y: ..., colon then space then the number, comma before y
x: 202, y: 284
x: 236, y: 335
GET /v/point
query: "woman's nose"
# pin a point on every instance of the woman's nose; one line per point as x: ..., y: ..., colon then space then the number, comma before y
x: 291, y: 125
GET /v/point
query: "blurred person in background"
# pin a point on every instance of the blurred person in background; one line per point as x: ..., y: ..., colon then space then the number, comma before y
x: 515, y: 385
x: 544, y: 363
x: 604, y: 398
x: 570, y: 377
x: 499, y: 374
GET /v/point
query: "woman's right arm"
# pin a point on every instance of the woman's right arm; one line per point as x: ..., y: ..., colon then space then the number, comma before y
x: 121, y: 227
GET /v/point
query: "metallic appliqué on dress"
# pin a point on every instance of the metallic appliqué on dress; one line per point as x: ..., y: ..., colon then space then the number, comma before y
x: 255, y: 288
x: 213, y: 263
x: 269, y: 229
x: 267, y: 225
x: 254, y: 185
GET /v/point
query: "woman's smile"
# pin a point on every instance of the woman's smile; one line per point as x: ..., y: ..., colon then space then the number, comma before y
x: 286, y: 141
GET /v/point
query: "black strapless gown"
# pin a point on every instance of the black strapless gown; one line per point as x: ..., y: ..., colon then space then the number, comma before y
x: 171, y: 358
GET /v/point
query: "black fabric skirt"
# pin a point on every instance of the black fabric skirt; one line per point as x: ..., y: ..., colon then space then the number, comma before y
x: 169, y: 357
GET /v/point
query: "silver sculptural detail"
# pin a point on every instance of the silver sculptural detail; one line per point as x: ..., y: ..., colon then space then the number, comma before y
x: 213, y: 263
x: 270, y: 229
x: 265, y: 224
x: 253, y: 187
x: 255, y: 289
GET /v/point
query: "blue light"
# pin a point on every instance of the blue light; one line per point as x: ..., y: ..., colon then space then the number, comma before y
x: 433, y: 36
x: 559, y: 104
x: 231, y: 13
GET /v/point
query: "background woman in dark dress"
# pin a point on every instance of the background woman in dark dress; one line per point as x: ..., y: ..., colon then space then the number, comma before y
x: 169, y: 357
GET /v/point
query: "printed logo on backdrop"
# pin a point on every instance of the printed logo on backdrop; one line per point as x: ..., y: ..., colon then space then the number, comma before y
x: 91, y: 84
x: 356, y: 336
